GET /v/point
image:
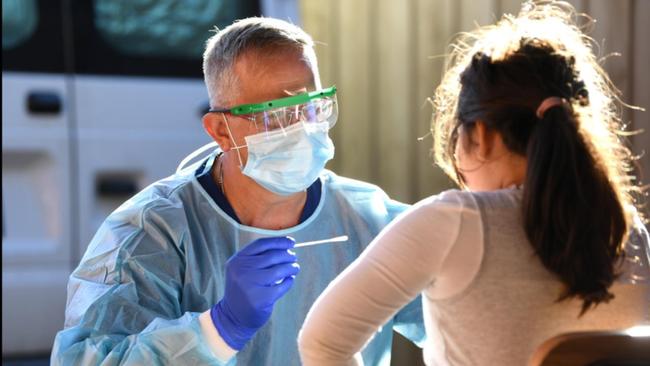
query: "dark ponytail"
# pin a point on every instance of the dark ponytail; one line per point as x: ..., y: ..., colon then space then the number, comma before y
x: 572, y: 214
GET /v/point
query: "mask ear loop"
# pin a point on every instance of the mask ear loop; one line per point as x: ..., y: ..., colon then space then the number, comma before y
x: 236, y: 148
x: 194, y: 154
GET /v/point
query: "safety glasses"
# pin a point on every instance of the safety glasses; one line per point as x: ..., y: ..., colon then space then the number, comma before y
x: 316, y: 106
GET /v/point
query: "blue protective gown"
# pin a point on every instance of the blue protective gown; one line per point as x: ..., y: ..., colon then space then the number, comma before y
x: 159, y: 260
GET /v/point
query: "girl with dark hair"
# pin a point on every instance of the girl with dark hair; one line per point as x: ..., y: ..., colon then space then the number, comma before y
x: 544, y: 238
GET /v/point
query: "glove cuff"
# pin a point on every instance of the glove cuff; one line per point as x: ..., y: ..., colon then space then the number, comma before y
x: 233, y: 334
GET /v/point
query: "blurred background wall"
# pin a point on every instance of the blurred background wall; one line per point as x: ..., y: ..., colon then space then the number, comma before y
x: 386, y: 57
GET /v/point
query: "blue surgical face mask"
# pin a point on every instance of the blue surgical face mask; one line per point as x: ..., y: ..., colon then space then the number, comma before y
x: 289, y: 160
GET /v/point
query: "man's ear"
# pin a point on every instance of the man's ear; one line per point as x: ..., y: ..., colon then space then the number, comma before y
x: 215, y: 125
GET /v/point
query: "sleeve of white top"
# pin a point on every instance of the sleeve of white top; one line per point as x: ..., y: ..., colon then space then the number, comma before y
x: 404, y: 259
x: 219, y: 347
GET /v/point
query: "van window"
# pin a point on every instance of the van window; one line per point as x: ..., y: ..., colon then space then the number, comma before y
x: 164, y: 28
x: 149, y: 38
x: 19, y: 20
x: 31, y: 41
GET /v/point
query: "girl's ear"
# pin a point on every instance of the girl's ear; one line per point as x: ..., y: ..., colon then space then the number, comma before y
x: 483, y: 140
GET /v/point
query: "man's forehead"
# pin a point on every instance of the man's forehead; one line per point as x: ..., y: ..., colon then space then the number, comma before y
x: 270, y: 76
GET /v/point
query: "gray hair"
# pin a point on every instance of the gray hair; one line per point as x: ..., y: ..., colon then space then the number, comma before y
x: 255, y: 33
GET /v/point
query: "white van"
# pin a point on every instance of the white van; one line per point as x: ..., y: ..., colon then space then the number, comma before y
x: 99, y: 99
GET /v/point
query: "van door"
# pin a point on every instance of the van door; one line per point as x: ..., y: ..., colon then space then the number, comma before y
x: 36, y: 175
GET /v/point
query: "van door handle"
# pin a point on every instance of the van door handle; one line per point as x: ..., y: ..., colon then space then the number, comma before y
x: 116, y: 186
x: 43, y: 102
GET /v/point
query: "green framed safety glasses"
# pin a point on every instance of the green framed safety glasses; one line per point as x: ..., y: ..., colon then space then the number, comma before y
x: 316, y: 106
x: 278, y: 103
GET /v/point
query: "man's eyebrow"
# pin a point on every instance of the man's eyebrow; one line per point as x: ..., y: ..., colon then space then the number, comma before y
x: 301, y: 90
x: 296, y: 92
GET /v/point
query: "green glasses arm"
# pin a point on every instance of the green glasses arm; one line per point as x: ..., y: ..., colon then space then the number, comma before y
x: 279, y: 103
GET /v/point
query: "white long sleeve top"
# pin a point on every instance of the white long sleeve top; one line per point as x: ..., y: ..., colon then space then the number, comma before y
x: 487, y: 299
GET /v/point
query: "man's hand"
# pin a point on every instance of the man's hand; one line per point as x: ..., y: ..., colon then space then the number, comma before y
x: 256, y: 277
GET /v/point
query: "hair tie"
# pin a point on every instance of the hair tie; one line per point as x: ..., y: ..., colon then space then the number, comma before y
x: 547, y: 103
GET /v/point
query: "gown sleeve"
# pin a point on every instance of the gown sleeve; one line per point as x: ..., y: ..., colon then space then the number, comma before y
x: 124, y: 299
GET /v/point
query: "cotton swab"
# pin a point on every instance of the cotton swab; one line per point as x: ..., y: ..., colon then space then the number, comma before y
x: 337, y: 239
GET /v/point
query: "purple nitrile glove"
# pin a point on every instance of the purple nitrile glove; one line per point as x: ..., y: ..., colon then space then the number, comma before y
x: 256, y: 277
